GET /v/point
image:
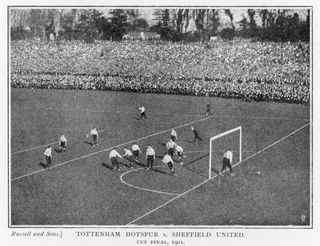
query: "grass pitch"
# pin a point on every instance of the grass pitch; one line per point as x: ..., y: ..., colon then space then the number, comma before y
x: 81, y: 188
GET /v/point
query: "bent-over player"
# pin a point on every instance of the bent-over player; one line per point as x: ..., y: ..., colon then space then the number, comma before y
x: 129, y: 156
x: 167, y: 160
x: 48, y: 156
x: 113, y: 157
x: 180, y: 154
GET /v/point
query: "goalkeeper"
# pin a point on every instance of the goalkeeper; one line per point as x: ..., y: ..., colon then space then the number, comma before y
x: 227, y: 162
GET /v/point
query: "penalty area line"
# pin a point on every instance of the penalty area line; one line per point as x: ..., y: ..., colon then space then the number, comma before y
x: 187, y: 191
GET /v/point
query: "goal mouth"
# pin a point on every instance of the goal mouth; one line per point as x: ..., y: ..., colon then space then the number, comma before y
x: 229, y: 140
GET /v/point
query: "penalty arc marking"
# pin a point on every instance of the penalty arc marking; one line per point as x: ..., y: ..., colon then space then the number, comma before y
x: 141, y: 188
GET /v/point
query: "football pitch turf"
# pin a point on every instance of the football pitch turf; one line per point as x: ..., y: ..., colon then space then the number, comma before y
x: 271, y: 186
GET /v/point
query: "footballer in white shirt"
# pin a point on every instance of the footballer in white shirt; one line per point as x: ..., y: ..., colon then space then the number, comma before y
x: 179, y: 151
x: 113, y: 157
x: 63, y: 143
x: 136, y: 151
x: 168, y: 161
x: 142, y: 112
x: 129, y: 156
x: 48, y: 155
x: 94, y: 134
x: 227, y: 162
x: 150, y: 155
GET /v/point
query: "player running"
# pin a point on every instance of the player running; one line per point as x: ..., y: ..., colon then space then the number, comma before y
x: 136, y: 151
x: 150, y: 155
x: 174, y: 135
x: 196, y: 135
x: 94, y: 134
x: 63, y: 143
x: 48, y: 156
x: 129, y: 156
x: 113, y: 157
x: 167, y: 160
x: 142, y: 113
x: 170, y: 147
x: 180, y: 154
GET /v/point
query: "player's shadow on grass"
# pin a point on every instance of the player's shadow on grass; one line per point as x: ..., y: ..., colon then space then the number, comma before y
x: 42, y: 165
x: 87, y: 142
x: 57, y: 150
x: 140, y: 164
x: 162, y: 172
x: 195, y: 170
x: 163, y: 144
x: 107, y: 166
x: 188, y: 141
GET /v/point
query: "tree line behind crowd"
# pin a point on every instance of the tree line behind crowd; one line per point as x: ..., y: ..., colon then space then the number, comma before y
x: 171, y: 24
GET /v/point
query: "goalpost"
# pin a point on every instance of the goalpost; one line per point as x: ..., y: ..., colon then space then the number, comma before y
x: 239, y: 128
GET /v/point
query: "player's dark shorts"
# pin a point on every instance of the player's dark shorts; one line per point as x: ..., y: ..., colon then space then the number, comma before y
x: 130, y: 158
x: 135, y: 153
x: 48, y: 160
x: 114, y: 162
x: 171, y: 151
x: 63, y: 144
x: 143, y: 114
x: 150, y: 161
x: 226, y: 163
x: 95, y: 138
x: 170, y: 165
x: 173, y: 138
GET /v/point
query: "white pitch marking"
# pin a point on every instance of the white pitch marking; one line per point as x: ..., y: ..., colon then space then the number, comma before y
x: 115, y: 146
x: 36, y: 147
x: 216, y: 150
x: 187, y: 191
x: 213, y: 116
x: 39, y: 146
x: 141, y: 188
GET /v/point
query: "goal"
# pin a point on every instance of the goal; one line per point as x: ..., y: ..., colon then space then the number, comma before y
x: 218, y: 144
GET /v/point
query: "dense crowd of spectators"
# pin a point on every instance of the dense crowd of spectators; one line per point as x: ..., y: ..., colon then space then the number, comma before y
x: 239, y: 69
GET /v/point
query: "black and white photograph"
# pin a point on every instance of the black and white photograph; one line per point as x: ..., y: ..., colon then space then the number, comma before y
x: 160, y: 117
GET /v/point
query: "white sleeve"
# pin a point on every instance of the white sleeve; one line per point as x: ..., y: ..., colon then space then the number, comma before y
x: 119, y: 155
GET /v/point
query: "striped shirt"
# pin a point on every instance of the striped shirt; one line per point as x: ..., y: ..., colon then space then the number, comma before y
x: 114, y: 153
x: 150, y: 152
x: 47, y: 152
x: 166, y: 159
x: 136, y: 147
x: 228, y: 155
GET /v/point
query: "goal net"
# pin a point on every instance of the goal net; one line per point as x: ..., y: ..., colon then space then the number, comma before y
x: 219, y: 144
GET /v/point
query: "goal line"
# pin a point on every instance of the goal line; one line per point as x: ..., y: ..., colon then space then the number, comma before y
x: 239, y: 128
